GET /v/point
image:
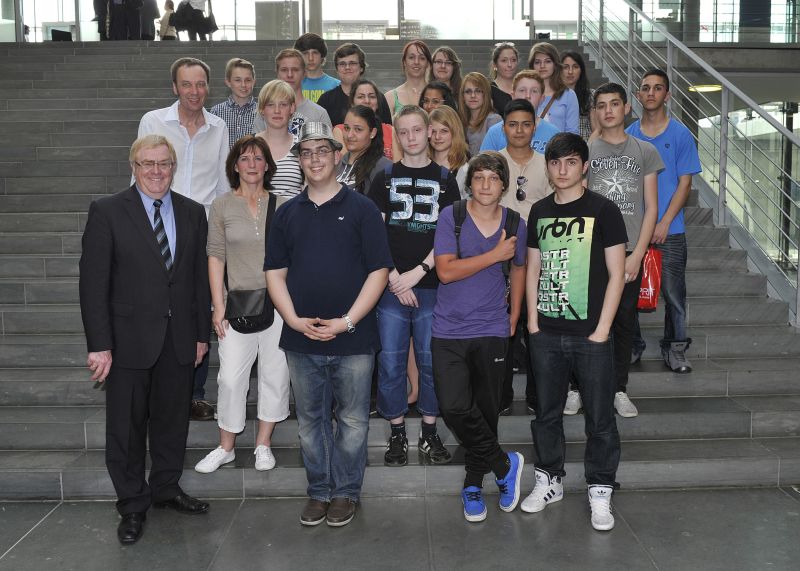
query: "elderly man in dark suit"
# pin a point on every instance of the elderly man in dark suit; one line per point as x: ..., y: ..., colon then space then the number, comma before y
x: 145, y: 306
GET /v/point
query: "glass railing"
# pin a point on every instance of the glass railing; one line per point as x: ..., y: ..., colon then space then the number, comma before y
x: 750, y: 153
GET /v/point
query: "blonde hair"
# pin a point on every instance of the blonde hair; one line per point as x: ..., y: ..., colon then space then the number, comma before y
x: 287, y: 53
x: 151, y: 142
x: 238, y: 62
x: 275, y: 90
x: 478, y: 80
x: 458, y: 154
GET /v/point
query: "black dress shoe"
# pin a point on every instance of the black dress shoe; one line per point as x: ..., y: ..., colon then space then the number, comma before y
x: 202, y: 410
x: 131, y: 527
x: 184, y: 504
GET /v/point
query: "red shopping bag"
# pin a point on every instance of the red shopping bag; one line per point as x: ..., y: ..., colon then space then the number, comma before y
x: 651, y: 280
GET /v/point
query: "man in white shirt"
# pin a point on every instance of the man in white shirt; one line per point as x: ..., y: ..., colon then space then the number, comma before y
x: 291, y: 68
x: 200, y: 140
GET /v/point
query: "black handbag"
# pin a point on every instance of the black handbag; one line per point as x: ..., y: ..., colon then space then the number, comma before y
x: 210, y: 21
x: 251, y: 311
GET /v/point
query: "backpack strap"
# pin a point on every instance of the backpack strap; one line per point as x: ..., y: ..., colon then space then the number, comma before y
x: 511, y: 226
x: 459, y: 216
x: 512, y: 222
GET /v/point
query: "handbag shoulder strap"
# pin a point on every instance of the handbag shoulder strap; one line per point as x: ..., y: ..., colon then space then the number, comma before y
x: 546, y: 109
x: 270, y: 213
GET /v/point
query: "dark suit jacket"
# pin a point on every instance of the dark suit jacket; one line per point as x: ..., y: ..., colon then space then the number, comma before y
x: 127, y: 295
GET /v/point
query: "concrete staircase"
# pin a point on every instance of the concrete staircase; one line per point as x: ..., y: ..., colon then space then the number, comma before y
x: 68, y: 114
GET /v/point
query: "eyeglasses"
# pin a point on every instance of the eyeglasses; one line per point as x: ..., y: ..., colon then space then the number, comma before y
x: 321, y: 154
x: 432, y: 101
x: 341, y: 63
x: 521, y: 194
x: 469, y: 91
x: 444, y: 62
x: 509, y: 44
x: 151, y: 165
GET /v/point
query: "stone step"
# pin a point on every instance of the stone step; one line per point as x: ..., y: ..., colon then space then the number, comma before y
x: 27, y: 244
x: 46, y: 222
x: 40, y: 267
x: 709, y: 342
x: 81, y: 475
x: 715, y: 283
x: 726, y: 311
x: 65, y: 386
x: 715, y: 258
x: 58, y: 203
x: 144, y: 104
x: 83, y: 427
x: 40, y: 319
x: 49, y: 115
x: 706, y: 237
x: 39, y: 292
x: 64, y: 169
x: 57, y: 185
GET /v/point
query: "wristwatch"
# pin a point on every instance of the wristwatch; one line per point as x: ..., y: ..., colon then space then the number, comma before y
x: 425, y: 267
x: 350, y: 327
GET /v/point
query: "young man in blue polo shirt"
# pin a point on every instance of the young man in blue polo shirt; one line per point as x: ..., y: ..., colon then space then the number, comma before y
x: 327, y: 264
x: 528, y: 85
x: 678, y: 150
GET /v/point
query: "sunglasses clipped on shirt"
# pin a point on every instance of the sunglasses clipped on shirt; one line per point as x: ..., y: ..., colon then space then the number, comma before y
x: 521, y: 182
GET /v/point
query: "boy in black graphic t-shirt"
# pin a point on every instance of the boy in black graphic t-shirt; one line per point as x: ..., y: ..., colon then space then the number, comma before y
x: 576, y: 266
x: 410, y: 196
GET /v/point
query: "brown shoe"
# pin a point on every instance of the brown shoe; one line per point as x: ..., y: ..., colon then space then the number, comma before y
x: 341, y: 512
x: 314, y: 512
x: 202, y: 410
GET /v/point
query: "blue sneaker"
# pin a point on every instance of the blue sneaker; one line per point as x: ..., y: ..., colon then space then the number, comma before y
x: 474, y: 506
x: 509, y: 486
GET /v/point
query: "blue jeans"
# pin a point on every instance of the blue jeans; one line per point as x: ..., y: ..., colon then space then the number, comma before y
x: 673, y: 291
x: 334, y: 462
x: 397, y: 323
x: 553, y: 357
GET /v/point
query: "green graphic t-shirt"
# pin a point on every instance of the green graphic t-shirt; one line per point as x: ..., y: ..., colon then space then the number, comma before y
x: 571, y: 239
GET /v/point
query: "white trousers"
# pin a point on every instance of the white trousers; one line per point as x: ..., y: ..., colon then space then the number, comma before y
x: 237, y: 352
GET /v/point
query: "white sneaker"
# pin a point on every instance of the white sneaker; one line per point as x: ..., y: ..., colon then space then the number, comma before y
x: 264, y: 458
x: 214, y: 460
x: 600, y: 505
x: 573, y: 404
x: 625, y: 408
x: 548, y: 489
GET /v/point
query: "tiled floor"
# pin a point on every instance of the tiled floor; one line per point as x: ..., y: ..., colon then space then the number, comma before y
x: 698, y: 529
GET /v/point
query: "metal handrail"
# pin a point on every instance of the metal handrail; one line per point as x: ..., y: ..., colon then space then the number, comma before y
x: 621, y: 51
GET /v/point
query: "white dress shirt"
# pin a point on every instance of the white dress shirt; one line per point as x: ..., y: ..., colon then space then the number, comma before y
x: 200, y: 174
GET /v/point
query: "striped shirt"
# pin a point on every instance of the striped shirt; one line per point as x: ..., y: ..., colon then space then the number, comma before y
x: 238, y: 118
x: 288, y: 179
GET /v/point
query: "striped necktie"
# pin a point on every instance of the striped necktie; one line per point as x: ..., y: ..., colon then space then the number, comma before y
x: 161, y: 235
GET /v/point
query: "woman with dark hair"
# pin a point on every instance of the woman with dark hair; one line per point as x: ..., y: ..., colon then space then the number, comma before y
x: 505, y: 59
x: 416, y: 63
x: 237, y: 226
x: 363, y: 141
x: 436, y: 94
x: 573, y: 73
x: 475, y: 109
x: 448, y: 145
x: 365, y: 92
x: 446, y: 68
x: 559, y: 105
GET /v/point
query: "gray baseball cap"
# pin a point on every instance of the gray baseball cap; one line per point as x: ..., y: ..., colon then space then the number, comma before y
x: 314, y: 131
